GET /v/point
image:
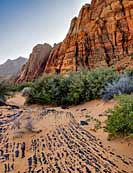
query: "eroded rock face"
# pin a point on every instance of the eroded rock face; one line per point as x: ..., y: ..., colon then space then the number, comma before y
x: 36, y: 64
x: 101, y: 35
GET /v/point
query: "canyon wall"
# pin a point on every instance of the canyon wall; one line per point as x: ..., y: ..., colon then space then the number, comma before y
x: 102, y: 35
x: 36, y: 63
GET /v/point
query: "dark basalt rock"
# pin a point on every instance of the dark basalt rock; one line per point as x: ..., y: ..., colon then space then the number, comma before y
x: 83, y: 123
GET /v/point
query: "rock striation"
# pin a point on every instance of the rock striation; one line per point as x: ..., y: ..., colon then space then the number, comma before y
x: 102, y: 35
x: 36, y: 63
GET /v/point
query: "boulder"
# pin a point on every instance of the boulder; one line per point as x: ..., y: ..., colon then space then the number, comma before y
x: 26, y: 91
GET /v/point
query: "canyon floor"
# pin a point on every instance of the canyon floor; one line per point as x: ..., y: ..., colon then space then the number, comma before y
x: 58, y: 143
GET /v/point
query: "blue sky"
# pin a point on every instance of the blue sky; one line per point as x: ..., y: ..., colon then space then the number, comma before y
x: 25, y: 23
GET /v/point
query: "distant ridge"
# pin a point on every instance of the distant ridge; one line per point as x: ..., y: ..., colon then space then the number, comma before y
x: 12, y: 67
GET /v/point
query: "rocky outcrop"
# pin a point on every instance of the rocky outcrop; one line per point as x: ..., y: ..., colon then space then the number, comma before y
x: 102, y: 35
x: 12, y: 67
x: 36, y: 63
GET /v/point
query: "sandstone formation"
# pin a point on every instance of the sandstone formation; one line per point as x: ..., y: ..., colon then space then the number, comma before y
x: 36, y: 64
x: 102, y: 35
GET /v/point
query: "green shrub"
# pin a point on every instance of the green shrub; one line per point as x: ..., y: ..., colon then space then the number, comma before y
x: 40, y: 91
x: 95, y: 81
x: 120, y: 119
x: 4, y: 90
x: 55, y: 89
x: 73, y: 88
x: 7, y: 89
x: 20, y: 87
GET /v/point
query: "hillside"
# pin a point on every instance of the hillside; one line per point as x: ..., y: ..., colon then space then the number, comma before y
x: 12, y: 67
x: 101, y: 35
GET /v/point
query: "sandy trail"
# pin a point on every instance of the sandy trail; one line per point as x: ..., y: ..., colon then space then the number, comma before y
x: 60, y: 144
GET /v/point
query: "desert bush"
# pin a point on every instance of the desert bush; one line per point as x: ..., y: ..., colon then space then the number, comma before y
x: 7, y: 89
x: 4, y: 90
x: 41, y: 91
x: 74, y: 89
x: 120, y: 119
x: 20, y: 87
x: 96, y: 80
x: 71, y: 89
x: 124, y: 85
x: 50, y: 90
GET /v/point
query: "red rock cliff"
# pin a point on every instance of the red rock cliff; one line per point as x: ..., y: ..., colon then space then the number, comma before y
x: 101, y: 35
x: 36, y: 63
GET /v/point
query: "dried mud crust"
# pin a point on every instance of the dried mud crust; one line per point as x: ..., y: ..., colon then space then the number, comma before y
x: 62, y: 146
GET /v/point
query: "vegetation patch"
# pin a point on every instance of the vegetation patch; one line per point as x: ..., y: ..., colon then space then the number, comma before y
x: 4, y: 90
x: 124, y: 85
x: 20, y: 87
x: 120, y: 119
x: 71, y: 89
